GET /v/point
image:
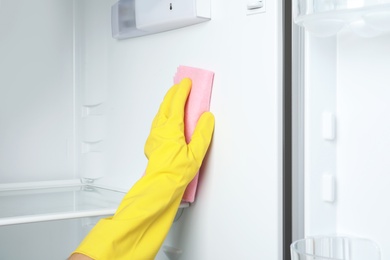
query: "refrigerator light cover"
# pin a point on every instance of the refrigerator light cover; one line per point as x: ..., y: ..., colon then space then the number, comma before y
x: 134, y: 18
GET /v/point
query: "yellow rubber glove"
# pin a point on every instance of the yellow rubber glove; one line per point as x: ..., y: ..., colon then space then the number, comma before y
x: 144, y: 217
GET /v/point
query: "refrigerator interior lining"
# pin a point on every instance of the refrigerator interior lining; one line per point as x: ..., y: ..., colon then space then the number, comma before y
x: 346, y: 100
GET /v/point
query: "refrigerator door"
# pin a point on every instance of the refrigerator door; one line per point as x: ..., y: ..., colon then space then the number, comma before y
x: 344, y: 85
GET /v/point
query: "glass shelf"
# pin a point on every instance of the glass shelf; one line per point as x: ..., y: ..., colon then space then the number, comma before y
x: 54, y: 203
x: 36, y: 203
x: 327, y: 18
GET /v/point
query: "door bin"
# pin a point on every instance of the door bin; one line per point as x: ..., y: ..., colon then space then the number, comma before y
x: 334, y: 248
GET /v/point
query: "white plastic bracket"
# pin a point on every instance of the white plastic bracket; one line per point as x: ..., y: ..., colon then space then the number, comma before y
x: 328, y: 187
x: 255, y: 6
x: 328, y: 126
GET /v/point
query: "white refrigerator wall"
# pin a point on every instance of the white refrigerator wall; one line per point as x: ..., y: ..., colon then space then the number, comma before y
x: 237, y: 211
x: 36, y: 83
x: 79, y: 104
x: 348, y: 76
x: 363, y: 137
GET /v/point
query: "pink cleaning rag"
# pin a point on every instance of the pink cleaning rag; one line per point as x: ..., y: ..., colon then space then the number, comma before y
x: 198, y: 102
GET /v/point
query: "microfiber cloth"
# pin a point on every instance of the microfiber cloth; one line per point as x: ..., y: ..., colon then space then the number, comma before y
x: 198, y: 102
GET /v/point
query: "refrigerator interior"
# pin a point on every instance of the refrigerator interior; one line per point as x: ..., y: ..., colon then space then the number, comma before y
x: 76, y: 107
x: 346, y: 142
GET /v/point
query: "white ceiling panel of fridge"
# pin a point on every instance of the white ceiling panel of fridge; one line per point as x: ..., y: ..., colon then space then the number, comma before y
x: 325, y: 18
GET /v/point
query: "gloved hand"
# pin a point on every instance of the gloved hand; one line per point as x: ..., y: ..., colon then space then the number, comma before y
x: 144, y: 217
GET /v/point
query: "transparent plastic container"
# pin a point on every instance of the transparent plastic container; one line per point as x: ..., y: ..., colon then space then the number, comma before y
x: 306, y: 7
x: 367, y: 18
x: 334, y: 248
